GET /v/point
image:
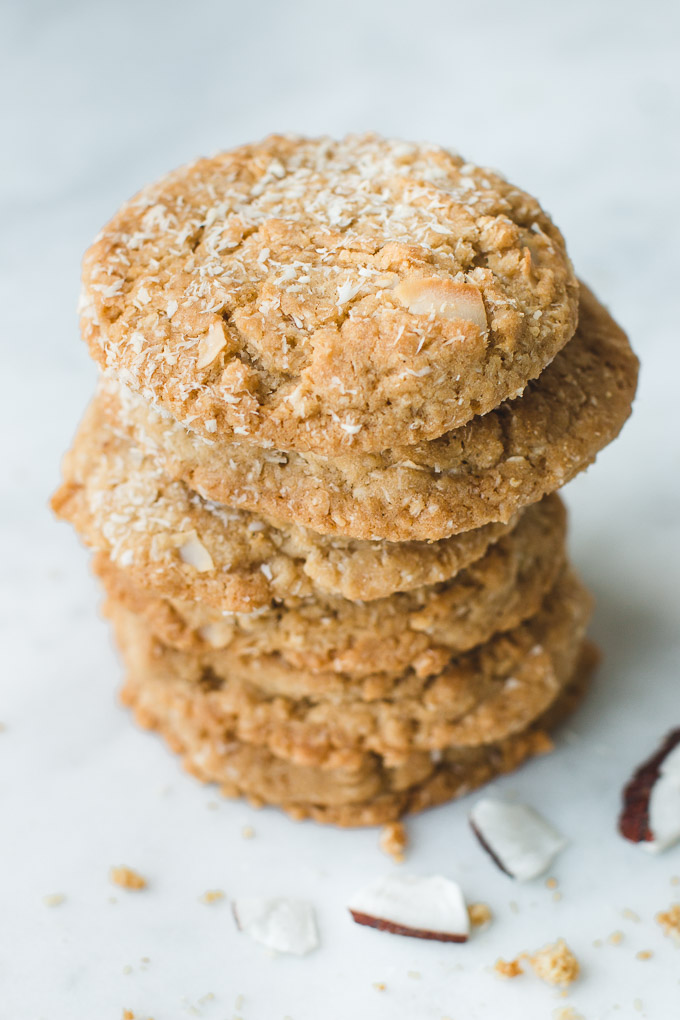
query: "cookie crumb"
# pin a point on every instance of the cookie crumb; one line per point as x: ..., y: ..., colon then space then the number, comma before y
x: 551, y: 883
x: 54, y: 899
x: 379, y: 986
x: 566, y: 1013
x: 598, y: 943
x: 211, y: 896
x: 556, y: 897
x: 644, y: 954
x: 480, y: 914
x: 514, y: 906
x: 675, y: 880
x: 126, y: 878
x: 556, y: 964
x: 393, y: 841
x: 128, y: 1014
x: 415, y: 974
x: 127, y: 969
x: 238, y: 1004
x: 670, y: 921
x: 508, y: 968
x: 616, y: 938
x: 247, y: 832
x: 637, y: 1003
x: 630, y: 915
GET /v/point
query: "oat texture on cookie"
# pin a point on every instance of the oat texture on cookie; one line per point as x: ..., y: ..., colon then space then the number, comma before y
x: 330, y: 296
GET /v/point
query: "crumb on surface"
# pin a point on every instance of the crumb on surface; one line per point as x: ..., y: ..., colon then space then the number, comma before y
x: 127, y: 878
x: 128, y: 1014
x: 508, y: 968
x: 551, y: 883
x: 480, y: 914
x: 566, y: 1013
x: 616, y: 938
x: 644, y: 954
x: 514, y: 906
x: 598, y: 943
x: 414, y: 974
x: 247, y: 832
x: 211, y: 896
x: 379, y: 986
x: 393, y: 840
x: 555, y: 964
x: 54, y: 899
x: 556, y: 896
x: 630, y: 915
x: 670, y: 921
x: 675, y: 880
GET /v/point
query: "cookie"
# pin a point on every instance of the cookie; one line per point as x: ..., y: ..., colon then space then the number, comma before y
x: 420, y: 629
x: 481, y: 696
x: 369, y: 790
x: 480, y: 473
x: 170, y: 540
x: 328, y: 296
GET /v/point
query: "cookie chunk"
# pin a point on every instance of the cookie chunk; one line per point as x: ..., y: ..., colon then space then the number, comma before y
x: 328, y: 296
x: 480, y: 473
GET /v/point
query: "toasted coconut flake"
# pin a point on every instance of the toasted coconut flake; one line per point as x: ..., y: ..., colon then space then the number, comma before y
x: 211, y: 344
x: 443, y: 298
x: 194, y: 553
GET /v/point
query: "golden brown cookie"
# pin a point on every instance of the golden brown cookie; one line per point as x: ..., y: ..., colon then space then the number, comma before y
x: 370, y: 789
x: 168, y: 539
x: 474, y: 475
x: 420, y: 629
x: 328, y: 296
x: 480, y: 697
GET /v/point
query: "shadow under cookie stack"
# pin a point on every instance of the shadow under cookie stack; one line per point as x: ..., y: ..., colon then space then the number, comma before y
x: 341, y: 382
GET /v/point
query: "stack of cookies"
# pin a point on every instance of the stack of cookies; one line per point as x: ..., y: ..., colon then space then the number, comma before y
x: 341, y: 382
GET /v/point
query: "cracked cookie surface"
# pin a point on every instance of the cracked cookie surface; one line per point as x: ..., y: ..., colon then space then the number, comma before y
x: 328, y: 296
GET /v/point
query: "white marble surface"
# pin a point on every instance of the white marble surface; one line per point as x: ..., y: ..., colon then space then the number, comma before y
x: 578, y: 102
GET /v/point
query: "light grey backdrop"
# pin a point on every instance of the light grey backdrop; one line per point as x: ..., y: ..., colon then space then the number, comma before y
x: 579, y: 103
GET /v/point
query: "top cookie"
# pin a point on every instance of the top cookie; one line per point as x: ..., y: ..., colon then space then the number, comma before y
x: 328, y: 296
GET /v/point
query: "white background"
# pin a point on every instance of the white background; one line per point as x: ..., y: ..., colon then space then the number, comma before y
x: 577, y: 102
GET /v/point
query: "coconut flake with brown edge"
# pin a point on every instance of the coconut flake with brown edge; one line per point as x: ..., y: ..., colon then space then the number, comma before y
x: 430, y: 907
x: 519, y: 840
x: 651, y: 800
